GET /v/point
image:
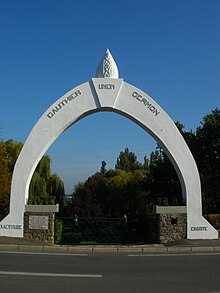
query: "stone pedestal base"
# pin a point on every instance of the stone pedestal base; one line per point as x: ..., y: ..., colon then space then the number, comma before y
x: 172, y: 222
x: 39, y: 222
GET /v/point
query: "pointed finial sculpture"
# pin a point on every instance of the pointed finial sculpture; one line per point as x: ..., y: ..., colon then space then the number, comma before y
x: 107, y: 67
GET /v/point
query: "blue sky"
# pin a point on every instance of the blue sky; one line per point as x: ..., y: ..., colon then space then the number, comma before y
x: 169, y: 49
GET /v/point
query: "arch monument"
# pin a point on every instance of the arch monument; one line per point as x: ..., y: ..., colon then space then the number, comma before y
x: 107, y: 92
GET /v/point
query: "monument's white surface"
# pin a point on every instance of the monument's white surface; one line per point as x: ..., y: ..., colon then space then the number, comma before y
x: 107, y: 92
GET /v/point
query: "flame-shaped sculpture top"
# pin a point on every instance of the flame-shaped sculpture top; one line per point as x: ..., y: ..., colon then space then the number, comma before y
x: 107, y: 67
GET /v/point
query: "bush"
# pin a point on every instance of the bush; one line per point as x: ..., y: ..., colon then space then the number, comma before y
x: 214, y: 219
x: 58, y: 233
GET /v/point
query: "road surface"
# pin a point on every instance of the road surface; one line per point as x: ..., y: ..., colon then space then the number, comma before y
x: 105, y: 273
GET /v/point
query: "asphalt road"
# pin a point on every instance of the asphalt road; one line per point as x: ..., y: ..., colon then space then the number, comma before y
x: 105, y: 273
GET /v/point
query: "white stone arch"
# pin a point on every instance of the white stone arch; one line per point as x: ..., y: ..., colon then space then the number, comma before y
x: 107, y: 94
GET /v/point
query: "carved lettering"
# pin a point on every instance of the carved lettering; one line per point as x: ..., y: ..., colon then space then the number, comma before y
x: 199, y: 228
x: 63, y: 103
x: 106, y: 86
x: 146, y: 103
x: 17, y: 227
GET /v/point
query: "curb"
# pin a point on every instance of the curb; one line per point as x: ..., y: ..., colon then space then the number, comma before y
x: 110, y: 249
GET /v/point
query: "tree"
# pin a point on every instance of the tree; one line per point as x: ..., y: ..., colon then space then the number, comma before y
x: 55, y: 190
x: 5, y: 181
x: 103, y: 169
x: 208, y: 160
x: 13, y: 150
x: 117, y: 184
x: 208, y: 140
x: 44, y: 187
x: 37, y: 190
x: 38, y: 193
x: 127, y: 161
x: 87, y: 197
x: 44, y: 169
x: 134, y: 188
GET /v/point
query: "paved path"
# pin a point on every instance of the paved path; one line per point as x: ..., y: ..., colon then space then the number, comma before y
x: 185, y: 246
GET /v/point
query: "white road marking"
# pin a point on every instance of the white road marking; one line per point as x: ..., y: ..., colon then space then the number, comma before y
x: 43, y: 253
x: 175, y: 254
x: 32, y: 274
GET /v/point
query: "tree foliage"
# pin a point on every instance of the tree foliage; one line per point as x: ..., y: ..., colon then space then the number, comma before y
x: 207, y: 142
x: 5, y: 181
x: 127, y: 161
x: 133, y: 188
x: 103, y: 167
x: 44, y: 187
x: 132, y: 192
